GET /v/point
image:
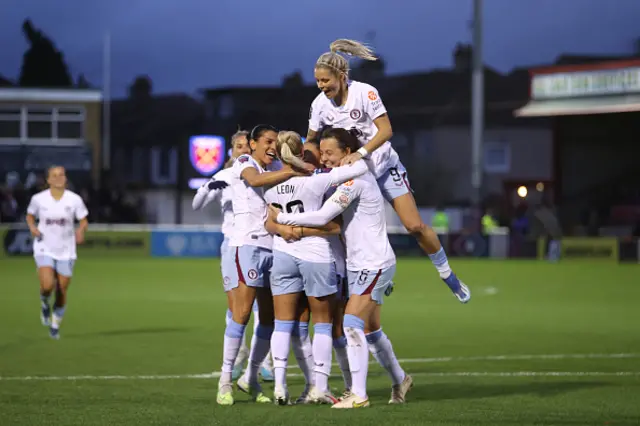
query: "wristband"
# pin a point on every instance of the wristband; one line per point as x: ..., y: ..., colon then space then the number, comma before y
x: 363, y: 152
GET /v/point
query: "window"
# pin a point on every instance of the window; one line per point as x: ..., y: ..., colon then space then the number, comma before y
x: 42, y: 123
x: 39, y: 129
x: 9, y: 129
x: 10, y: 119
x: 497, y: 157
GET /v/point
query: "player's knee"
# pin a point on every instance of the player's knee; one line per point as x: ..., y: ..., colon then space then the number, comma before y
x: 47, y: 284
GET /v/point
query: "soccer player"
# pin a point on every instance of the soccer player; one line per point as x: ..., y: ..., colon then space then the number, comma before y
x: 251, y: 249
x: 219, y: 188
x: 357, y: 107
x: 54, y: 242
x: 305, y: 266
x: 312, y: 155
x: 371, y: 264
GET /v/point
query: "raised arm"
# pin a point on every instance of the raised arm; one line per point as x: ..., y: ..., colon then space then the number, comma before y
x: 208, y: 193
x: 257, y: 180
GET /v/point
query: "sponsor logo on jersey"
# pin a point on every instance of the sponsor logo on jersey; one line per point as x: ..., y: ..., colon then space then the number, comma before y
x: 372, y: 95
x: 355, y: 114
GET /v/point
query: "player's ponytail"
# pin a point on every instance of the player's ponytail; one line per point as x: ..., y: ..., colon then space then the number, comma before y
x: 353, y: 48
x: 338, y: 63
x: 289, y: 148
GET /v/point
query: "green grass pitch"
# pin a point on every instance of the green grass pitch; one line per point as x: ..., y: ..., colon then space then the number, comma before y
x: 539, y: 344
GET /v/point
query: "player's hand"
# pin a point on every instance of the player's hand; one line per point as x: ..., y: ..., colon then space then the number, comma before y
x: 35, y: 232
x: 79, y: 236
x: 309, y: 167
x: 350, y: 159
x: 273, y: 213
x: 288, y: 233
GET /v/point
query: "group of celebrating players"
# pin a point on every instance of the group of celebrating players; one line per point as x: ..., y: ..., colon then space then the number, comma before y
x: 305, y: 238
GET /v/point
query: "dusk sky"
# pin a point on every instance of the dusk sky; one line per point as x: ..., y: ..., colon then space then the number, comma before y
x: 190, y: 44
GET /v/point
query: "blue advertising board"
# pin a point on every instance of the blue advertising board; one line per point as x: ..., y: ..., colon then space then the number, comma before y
x: 186, y: 243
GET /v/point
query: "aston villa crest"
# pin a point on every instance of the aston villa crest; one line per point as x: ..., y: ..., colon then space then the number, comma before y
x: 206, y: 154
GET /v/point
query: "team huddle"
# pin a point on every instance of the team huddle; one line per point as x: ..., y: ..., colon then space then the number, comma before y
x: 305, y: 240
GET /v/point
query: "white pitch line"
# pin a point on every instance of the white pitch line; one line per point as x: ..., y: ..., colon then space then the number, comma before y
x: 518, y: 357
x: 402, y: 361
x: 420, y: 374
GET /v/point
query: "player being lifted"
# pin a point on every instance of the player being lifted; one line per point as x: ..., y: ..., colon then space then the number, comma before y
x: 371, y: 264
x: 54, y: 242
x: 304, y: 267
x: 219, y: 189
x: 357, y: 107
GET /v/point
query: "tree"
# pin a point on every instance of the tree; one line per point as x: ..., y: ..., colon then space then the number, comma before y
x: 141, y: 88
x: 293, y: 80
x: 43, y: 64
x: 82, y: 82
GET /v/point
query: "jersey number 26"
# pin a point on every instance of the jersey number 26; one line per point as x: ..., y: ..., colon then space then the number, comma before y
x: 294, y: 206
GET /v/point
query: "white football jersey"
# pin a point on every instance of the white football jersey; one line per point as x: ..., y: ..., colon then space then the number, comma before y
x: 306, y: 193
x: 56, y: 223
x: 226, y: 200
x: 337, y: 244
x: 365, y: 228
x: 249, y: 208
x: 363, y: 106
x: 222, y: 194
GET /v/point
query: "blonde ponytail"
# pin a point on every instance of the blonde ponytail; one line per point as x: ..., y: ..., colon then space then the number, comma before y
x: 289, y: 148
x: 353, y: 48
x: 338, y: 63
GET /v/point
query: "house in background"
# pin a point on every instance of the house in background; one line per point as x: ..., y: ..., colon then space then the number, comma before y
x: 43, y: 127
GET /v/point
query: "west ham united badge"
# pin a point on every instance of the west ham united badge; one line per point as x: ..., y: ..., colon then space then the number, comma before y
x: 206, y: 154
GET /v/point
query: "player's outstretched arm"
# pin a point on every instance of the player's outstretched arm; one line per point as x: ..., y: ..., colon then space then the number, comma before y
x: 334, y: 206
x: 256, y: 179
x: 208, y: 193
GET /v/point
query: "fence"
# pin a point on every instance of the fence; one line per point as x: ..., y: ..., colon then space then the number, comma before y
x: 193, y: 241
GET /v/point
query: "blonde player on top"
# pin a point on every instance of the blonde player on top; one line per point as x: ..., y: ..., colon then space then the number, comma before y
x: 219, y: 189
x: 304, y: 266
x: 357, y: 107
x: 371, y: 265
x: 251, y: 248
x: 54, y: 242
